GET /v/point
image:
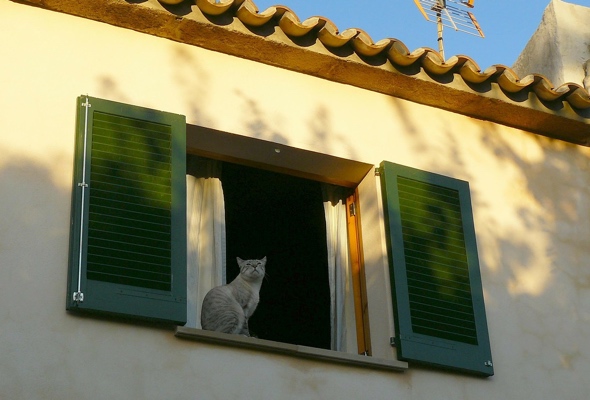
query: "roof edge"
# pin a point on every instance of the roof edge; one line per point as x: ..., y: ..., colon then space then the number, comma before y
x: 315, y: 47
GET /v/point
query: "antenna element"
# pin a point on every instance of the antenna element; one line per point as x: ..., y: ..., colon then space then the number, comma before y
x: 449, y: 13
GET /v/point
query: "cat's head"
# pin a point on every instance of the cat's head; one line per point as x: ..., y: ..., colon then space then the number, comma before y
x: 252, y: 269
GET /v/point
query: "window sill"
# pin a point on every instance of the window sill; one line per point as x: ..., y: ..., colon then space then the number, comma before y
x: 289, y: 349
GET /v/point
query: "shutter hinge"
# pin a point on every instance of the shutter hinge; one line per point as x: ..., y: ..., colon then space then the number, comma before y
x: 352, y: 209
x: 377, y: 172
x: 392, y: 342
x: 78, y: 297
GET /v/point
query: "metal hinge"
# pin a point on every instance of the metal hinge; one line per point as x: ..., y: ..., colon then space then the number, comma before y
x: 78, y: 297
x: 352, y: 209
x: 392, y: 342
x: 377, y: 172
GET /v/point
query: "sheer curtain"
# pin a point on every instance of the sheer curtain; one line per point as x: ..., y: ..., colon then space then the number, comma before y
x: 205, y: 234
x: 343, y: 325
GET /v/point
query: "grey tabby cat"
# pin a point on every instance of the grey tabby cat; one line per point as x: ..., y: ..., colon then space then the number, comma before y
x: 227, y: 308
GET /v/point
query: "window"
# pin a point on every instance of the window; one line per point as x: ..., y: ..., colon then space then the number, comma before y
x: 439, y: 314
x: 281, y: 217
x: 239, y: 211
x: 129, y: 252
x: 288, y: 186
x: 128, y: 247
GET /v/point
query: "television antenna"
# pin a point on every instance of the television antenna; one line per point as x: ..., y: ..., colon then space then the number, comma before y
x: 452, y: 14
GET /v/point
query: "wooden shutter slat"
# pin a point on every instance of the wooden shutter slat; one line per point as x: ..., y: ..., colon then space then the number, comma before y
x: 431, y: 226
x: 440, y: 316
x: 134, y: 242
x: 128, y: 150
x: 129, y: 197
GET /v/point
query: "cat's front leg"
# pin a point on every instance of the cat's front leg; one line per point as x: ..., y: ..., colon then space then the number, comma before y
x: 245, y: 330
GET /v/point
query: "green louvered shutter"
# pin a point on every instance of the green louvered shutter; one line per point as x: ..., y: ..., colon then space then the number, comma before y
x: 436, y: 283
x: 128, y: 233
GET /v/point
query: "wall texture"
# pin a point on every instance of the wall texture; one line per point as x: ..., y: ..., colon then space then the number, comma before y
x: 560, y: 47
x: 531, y: 200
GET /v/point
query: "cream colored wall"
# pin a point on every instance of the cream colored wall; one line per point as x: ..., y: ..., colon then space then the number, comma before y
x: 531, y: 199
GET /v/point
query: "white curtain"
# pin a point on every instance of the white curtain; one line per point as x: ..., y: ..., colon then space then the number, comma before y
x: 205, y: 235
x: 342, y: 313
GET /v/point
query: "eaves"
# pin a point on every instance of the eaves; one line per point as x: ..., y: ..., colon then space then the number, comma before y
x: 315, y: 47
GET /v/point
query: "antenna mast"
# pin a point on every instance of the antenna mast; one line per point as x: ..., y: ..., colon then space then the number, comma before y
x: 449, y: 13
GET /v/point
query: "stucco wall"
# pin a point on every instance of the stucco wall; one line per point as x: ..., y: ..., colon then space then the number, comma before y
x: 559, y: 48
x: 531, y: 200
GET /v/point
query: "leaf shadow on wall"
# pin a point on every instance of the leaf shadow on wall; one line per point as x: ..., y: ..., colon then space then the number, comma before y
x: 530, y: 198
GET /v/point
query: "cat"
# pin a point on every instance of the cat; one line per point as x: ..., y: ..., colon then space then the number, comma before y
x: 227, y: 308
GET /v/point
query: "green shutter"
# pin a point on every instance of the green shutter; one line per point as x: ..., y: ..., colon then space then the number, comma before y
x: 436, y: 282
x: 128, y: 233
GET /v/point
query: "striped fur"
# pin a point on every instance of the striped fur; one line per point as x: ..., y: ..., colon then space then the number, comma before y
x: 227, y: 308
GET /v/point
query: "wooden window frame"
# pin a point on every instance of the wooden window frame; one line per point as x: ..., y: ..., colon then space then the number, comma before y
x: 319, y: 167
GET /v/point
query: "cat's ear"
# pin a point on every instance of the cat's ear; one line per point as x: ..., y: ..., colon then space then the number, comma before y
x: 263, y: 260
x: 240, y: 261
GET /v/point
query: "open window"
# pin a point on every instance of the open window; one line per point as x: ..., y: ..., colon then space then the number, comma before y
x: 280, y: 217
x: 298, y: 223
x: 128, y: 247
x: 128, y: 236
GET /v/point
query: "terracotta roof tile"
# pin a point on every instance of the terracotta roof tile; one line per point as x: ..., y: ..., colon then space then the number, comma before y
x: 395, y: 51
x: 315, y: 46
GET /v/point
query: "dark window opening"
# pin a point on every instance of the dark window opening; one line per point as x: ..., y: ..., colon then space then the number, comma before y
x: 281, y: 217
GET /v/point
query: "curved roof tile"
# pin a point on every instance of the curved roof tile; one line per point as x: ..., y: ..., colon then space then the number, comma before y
x: 315, y: 46
x: 330, y: 36
x: 210, y: 7
x: 248, y: 13
x: 394, y: 50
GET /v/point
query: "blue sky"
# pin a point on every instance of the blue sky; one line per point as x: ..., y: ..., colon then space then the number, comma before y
x: 507, y: 24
